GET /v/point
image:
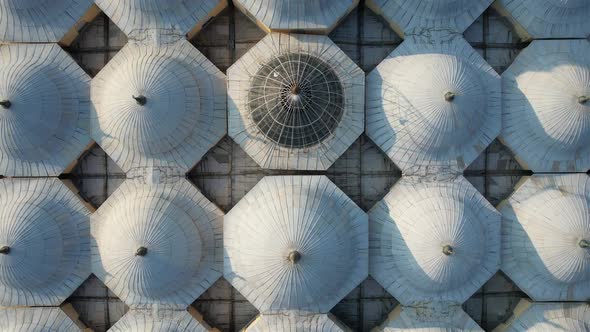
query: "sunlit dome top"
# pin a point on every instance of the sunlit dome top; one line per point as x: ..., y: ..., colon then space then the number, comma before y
x: 293, y: 322
x: 157, y: 244
x: 548, y: 317
x: 434, y: 318
x: 44, y: 108
x: 39, y: 20
x: 38, y: 319
x: 44, y: 242
x: 433, y: 241
x: 546, y: 114
x: 296, y: 102
x: 416, y: 15
x: 158, y: 106
x: 159, y: 321
x: 178, y: 16
x: 546, y: 237
x: 319, y: 16
x: 549, y: 18
x: 433, y: 105
x: 295, y: 243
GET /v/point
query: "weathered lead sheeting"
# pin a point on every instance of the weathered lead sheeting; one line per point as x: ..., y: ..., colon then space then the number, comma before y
x: 158, y: 105
x: 157, y: 244
x: 440, y: 317
x: 44, y: 110
x: 546, y: 113
x: 433, y: 241
x: 44, y: 242
x: 433, y: 105
x: 295, y: 243
x: 546, y: 237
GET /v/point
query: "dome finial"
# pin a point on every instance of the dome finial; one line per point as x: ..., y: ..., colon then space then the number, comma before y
x: 583, y: 99
x: 448, y: 250
x: 5, y: 103
x: 584, y: 244
x: 5, y: 250
x: 141, y: 251
x: 141, y: 99
x: 295, y: 89
x: 449, y: 96
x: 294, y: 256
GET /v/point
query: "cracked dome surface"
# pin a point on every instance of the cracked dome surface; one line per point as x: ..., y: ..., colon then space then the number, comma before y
x: 296, y: 100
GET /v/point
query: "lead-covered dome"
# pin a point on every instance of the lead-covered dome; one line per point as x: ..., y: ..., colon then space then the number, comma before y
x: 295, y: 243
x: 139, y: 320
x: 44, y: 242
x: 548, y: 317
x: 311, y: 16
x: 436, y: 317
x: 433, y: 241
x: 295, y: 102
x: 157, y: 244
x: 39, y: 21
x: 413, y: 17
x: 294, y: 322
x: 548, y: 18
x: 35, y: 320
x: 158, y: 105
x: 44, y: 109
x: 433, y: 105
x: 546, y: 237
x: 177, y: 16
x: 546, y: 116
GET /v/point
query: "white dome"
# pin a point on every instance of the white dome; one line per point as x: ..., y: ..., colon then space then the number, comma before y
x: 546, y: 117
x: 548, y: 317
x: 414, y: 16
x: 295, y: 243
x: 35, y: 320
x: 433, y: 105
x: 44, y: 242
x: 295, y: 102
x: 546, y: 237
x: 159, y: 321
x: 293, y: 322
x: 34, y: 21
x: 44, y: 110
x: 549, y: 18
x: 437, y: 317
x: 178, y: 16
x: 157, y: 244
x: 433, y: 241
x: 319, y: 16
x: 158, y: 106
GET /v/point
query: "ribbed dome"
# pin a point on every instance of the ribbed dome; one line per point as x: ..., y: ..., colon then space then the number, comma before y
x: 296, y: 102
x: 433, y: 241
x: 44, y: 242
x: 549, y: 18
x: 548, y: 317
x: 44, y: 107
x: 438, y: 317
x: 414, y: 16
x: 157, y: 244
x: 319, y: 16
x: 39, y: 20
x: 295, y: 243
x: 546, y: 237
x: 178, y: 16
x: 158, y: 106
x: 35, y: 320
x: 433, y: 105
x: 293, y: 322
x: 547, y: 106
x: 158, y: 321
